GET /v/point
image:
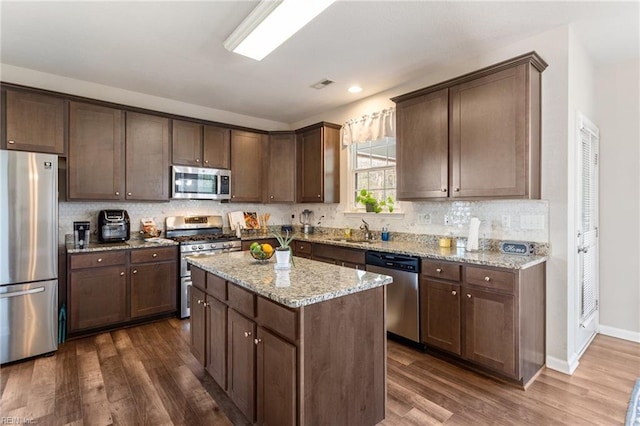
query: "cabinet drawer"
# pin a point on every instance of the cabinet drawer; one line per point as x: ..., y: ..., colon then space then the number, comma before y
x: 490, y: 278
x: 442, y: 270
x: 282, y: 320
x: 241, y: 300
x: 341, y: 254
x: 301, y: 248
x: 216, y: 286
x: 198, y: 278
x: 78, y: 261
x: 153, y: 254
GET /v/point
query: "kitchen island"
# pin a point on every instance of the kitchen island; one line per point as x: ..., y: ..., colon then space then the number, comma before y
x: 300, y: 346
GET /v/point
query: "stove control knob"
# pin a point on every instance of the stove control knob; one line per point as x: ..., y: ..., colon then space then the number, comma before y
x: 213, y: 246
x: 194, y: 247
x: 200, y: 247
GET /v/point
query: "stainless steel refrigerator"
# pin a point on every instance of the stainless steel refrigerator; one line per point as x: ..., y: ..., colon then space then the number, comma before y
x: 28, y: 254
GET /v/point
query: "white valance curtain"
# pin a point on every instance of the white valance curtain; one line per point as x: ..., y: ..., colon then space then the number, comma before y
x: 372, y: 127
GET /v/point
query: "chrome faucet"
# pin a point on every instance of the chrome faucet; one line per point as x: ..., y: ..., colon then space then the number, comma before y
x: 365, y: 227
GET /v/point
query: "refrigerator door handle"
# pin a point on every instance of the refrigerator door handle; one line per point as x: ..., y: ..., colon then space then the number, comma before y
x: 22, y: 293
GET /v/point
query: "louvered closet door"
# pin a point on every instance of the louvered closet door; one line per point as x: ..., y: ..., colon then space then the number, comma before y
x: 588, y: 230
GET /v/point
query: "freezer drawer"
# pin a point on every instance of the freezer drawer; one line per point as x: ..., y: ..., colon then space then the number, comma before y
x: 28, y: 320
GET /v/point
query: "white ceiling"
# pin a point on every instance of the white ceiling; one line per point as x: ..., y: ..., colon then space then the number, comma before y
x: 174, y: 49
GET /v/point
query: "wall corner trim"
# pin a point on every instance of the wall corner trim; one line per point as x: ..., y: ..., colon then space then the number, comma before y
x: 565, y: 367
x: 620, y: 333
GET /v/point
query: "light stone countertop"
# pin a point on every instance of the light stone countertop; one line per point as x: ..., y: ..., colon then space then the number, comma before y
x: 309, y: 281
x: 431, y: 251
x: 132, y: 244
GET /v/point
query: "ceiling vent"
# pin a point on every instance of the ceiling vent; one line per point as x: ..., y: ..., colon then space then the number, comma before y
x: 322, y: 84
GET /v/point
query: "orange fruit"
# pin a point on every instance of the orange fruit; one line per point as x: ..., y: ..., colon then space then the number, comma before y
x: 267, y: 248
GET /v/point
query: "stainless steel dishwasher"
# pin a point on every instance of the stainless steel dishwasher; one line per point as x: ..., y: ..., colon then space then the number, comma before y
x: 403, y: 299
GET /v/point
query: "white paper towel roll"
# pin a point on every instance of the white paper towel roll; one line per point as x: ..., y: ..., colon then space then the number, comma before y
x: 474, y: 228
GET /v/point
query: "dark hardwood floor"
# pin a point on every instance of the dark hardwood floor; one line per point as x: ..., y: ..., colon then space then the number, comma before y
x: 145, y: 375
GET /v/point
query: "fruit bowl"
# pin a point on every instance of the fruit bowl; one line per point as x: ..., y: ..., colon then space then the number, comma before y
x: 261, y: 255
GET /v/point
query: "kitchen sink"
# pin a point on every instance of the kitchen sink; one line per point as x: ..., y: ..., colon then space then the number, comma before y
x: 353, y: 240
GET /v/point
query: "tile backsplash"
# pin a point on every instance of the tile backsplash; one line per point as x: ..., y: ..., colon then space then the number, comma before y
x: 520, y: 220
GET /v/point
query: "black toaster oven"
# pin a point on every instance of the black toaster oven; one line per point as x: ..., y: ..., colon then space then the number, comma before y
x: 113, y: 226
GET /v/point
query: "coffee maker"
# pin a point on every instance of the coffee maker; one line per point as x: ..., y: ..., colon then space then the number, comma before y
x: 306, y: 218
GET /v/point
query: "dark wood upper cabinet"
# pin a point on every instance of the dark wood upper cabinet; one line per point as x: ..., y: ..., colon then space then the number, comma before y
x: 247, y: 162
x: 96, y: 154
x: 187, y: 143
x: 147, y: 157
x: 34, y: 122
x: 281, y: 173
x: 493, y: 135
x: 318, y: 164
x: 216, y: 147
x: 422, y: 143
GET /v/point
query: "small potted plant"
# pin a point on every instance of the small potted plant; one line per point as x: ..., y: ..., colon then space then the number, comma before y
x: 371, y: 203
x: 283, y: 253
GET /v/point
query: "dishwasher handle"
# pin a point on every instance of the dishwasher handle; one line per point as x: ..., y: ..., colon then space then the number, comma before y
x: 21, y: 293
x: 392, y: 261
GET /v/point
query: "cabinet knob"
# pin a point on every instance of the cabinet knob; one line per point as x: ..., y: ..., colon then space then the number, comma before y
x: 205, y: 304
x: 12, y: 142
x: 154, y: 255
x: 457, y: 189
x: 129, y: 194
x: 117, y: 193
x: 206, y: 161
x: 99, y: 260
x: 468, y: 295
x: 487, y: 279
x: 197, y: 161
x: 200, y: 302
x: 135, y: 271
x: 247, y: 333
x: 319, y: 196
x: 271, y: 197
x: 256, y: 341
x: 454, y: 292
x: 122, y: 274
x: 438, y: 270
x: 233, y: 196
x: 443, y: 189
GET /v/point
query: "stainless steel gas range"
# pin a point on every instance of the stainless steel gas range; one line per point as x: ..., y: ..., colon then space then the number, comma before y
x: 198, y: 236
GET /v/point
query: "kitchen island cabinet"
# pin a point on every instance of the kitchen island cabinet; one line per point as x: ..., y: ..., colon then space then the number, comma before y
x: 291, y: 344
x: 34, y: 122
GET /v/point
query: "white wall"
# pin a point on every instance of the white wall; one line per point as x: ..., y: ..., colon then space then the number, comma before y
x: 31, y: 78
x: 618, y: 110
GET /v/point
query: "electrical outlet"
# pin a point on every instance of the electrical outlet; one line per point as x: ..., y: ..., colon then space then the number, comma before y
x: 447, y: 219
x: 506, y: 221
x: 424, y: 219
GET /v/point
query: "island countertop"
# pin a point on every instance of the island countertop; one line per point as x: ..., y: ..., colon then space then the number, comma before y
x: 306, y: 283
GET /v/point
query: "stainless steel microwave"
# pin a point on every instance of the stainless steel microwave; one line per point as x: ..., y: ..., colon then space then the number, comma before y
x: 200, y: 183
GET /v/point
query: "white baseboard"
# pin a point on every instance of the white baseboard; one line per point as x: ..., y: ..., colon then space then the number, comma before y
x: 620, y: 333
x: 566, y: 367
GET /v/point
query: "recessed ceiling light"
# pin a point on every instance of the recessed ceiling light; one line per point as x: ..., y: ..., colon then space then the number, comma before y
x: 355, y: 89
x: 270, y: 24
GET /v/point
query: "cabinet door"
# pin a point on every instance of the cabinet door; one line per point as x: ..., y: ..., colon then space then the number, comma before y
x: 35, y: 122
x: 147, y: 157
x: 197, y: 324
x: 241, y: 363
x: 187, y: 143
x: 282, y: 173
x: 153, y: 288
x: 488, y: 135
x: 217, y: 341
x: 96, y: 155
x: 440, y: 314
x: 216, y: 147
x: 490, y: 336
x: 276, y: 384
x: 422, y: 143
x: 247, y: 150
x: 310, y: 167
x: 97, y: 297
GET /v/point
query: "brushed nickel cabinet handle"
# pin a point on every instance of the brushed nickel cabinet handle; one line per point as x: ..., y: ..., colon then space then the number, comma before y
x: 199, y: 302
x: 99, y: 260
x: 154, y: 255
x: 197, y: 161
x: 122, y: 274
x: 438, y: 270
x: 271, y: 197
x: 206, y: 161
x: 457, y: 189
x: 256, y: 341
x: 135, y: 271
x: 247, y: 333
x: 443, y: 189
x: 12, y: 142
x: 129, y: 194
x: 319, y: 196
x: 454, y: 292
x: 469, y: 295
x: 487, y: 279
x: 117, y: 193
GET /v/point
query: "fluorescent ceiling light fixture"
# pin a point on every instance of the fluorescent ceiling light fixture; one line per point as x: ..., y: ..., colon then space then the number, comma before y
x: 355, y: 89
x: 270, y: 24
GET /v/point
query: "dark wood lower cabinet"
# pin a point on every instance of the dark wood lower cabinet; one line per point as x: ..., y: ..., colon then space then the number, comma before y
x: 97, y: 297
x: 241, y: 363
x: 276, y: 383
x: 198, y: 328
x: 153, y: 288
x: 490, y: 337
x: 440, y: 321
x: 216, y: 365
